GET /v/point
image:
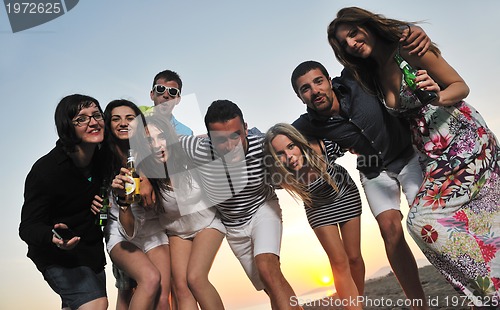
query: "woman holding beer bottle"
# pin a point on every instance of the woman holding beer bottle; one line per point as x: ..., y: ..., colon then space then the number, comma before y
x: 141, y: 254
x: 454, y: 218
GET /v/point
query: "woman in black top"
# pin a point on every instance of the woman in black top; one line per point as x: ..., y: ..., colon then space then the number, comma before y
x: 58, y: 192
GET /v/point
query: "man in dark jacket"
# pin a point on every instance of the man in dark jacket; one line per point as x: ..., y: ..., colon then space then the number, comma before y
x: 341, y: 111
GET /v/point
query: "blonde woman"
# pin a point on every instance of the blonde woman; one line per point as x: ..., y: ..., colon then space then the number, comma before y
x: 307, y: 170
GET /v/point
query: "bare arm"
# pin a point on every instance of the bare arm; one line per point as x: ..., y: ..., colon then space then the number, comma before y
x: 437, y: 75
x: 147, y: 193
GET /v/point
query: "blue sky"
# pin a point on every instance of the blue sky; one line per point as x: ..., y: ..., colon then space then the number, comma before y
x: 244, y: 51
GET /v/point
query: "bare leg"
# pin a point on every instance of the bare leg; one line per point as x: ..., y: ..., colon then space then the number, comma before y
x: 96, y: 304
x: 160, y: 257
x: 277, y: 287
x: 329, y: 237
x: 351, y: 235
x: 206, y: 244
x: 123, y: 299
x: 134, y: 262
x: 400, y: 256
x: 180, y: 252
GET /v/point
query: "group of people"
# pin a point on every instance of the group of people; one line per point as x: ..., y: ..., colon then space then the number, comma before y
x: 196, y: 190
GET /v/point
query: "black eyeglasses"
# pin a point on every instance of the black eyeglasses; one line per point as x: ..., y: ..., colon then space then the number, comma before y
x: 85, y: 119
x: 161, y: 89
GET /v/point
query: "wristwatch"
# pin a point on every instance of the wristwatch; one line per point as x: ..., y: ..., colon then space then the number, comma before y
x: 120, y: 201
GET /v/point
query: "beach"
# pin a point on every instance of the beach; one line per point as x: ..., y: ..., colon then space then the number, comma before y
x: 385, y: 293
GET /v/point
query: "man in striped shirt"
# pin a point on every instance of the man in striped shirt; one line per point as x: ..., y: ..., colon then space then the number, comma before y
x: 232, y: 169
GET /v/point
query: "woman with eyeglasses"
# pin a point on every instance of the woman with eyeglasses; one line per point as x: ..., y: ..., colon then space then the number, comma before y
x: 307, y: 170
x: 141, y: 257
x: 63, y: 240
x: 455, y: 216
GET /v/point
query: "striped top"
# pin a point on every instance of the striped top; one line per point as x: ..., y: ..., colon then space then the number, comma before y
x: 236, y: 189
x: 330, y: 207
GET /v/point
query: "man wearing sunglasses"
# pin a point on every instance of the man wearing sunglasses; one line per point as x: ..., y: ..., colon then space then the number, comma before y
x: 166, y: 94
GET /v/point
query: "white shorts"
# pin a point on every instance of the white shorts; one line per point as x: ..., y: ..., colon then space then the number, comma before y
x: 145, y: 243
x: 384, y: 192
x: 215, y: 224
x: 189, y: 225
x: 262, y: 234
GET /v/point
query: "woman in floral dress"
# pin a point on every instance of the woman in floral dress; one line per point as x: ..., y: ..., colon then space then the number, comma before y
x: 455, y: 218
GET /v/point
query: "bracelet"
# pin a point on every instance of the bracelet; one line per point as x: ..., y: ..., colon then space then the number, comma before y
x: 120, y: 200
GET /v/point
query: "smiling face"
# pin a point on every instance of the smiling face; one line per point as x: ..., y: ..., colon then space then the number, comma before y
x: 158, y: 143
x: 315, y: 90
x: 229, y: 139
x: 121, y: 118
x: 91, y: 132
x: 355, y: 40
x: 288, y: 152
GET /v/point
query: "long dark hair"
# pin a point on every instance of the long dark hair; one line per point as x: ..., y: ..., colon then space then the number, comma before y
x: 174, y: 174
x: 114, y: 159
x: 388, y: 30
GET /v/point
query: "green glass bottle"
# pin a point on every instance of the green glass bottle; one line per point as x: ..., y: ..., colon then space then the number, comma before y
x: 409, y: 75
x: 102, y: 216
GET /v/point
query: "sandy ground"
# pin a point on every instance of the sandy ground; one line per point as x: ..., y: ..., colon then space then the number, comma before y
x: 385, y: 293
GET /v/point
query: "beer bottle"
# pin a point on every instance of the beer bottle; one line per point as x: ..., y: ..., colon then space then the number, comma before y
x: 409, y: 74
x: 132, y: 190
x: 102, y: 216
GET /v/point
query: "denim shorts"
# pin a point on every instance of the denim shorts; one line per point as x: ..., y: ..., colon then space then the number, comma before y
x: 76, y: 286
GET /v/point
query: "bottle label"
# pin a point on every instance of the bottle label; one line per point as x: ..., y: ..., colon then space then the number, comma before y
x: 403, y: 64
x: 133, y: 188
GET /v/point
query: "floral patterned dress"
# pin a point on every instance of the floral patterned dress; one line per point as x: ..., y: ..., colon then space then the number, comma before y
x: 455, y: 217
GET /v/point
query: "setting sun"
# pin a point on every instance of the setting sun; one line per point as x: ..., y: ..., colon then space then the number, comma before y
x: 326, y: 280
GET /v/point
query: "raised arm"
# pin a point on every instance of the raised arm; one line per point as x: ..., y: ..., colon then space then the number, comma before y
x: 415, y: 40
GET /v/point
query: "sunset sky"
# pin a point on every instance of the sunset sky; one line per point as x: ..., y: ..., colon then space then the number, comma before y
x: 243, y: 51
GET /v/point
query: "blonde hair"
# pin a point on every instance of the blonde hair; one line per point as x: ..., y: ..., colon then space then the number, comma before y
x: 286, y: 179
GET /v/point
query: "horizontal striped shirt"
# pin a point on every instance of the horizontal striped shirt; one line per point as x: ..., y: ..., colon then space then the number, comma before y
x: 236, y: 189
x: 330, y: 207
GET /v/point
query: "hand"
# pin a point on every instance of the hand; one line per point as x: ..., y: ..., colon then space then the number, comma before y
x: 96, y: 204
x: 64, y: 244
x: 119, y: 181
x: 416, y: 40
x: 147, y: 193
x: 425, y: 81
